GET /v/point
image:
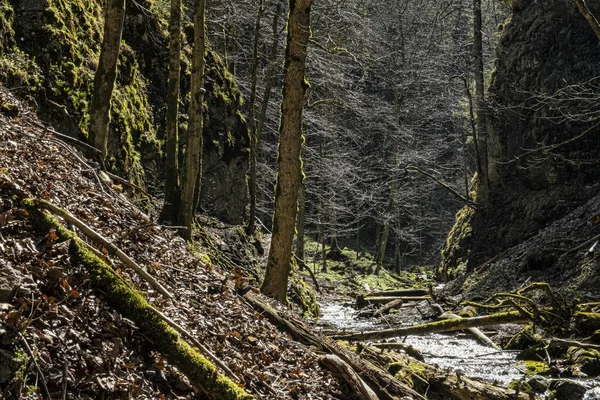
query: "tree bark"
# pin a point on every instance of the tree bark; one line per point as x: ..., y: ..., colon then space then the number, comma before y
x: 289, y: 174
x: 172, y: 194
x: 482, y: 171
x: 106, y: 75
x: 193, y: 157
x: 254, y: 140
x: 589, y: 17
x: 449, y: 325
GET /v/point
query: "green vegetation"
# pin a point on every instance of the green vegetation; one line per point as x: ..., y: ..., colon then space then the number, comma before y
x: 455, y: 252
x: 351, y: 273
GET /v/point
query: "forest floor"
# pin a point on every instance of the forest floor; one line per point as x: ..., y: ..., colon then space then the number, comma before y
x: 83, y: 347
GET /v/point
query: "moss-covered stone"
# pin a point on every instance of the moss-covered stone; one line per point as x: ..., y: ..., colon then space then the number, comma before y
x: 455, y: 255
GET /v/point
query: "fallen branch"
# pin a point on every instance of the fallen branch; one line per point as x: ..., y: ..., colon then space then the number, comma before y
x: 365, y: 301
x: 206, y: 352
x: 555, y: 342
x: 444, y: 185
x: 341, y: 368
x: 582, y: 245
x: 384, y: 384
x: 112, y: 249
x: 303, y: 265
x: 439, y: 326
x: 127, y: 183
x: 405, y: 347
x: 400, y: 292
x: 439, y: 384
x: 37, y: 366
x: 392, y: 305
x: 475, y: 331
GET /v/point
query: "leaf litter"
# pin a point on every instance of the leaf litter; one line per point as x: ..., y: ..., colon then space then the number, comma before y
x: 84, y: 348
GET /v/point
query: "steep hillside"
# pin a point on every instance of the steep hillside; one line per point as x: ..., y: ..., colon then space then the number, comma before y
x: 49, y: 54
x: 543, y: 146
x: 88, y: 344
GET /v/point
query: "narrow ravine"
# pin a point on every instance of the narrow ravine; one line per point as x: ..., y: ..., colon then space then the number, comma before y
x: 456, y: 352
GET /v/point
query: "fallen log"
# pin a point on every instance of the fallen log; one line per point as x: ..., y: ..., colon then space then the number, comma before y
x: 345, y: 371
x: 405, y: 347
x: 399, y: 292
x: 134, y: 306
x: 362, y: 301
x: 382, y: 383
x: 438, y: 383
x: 392, y: 305
x: 448, y: 325
x: 475, y: 331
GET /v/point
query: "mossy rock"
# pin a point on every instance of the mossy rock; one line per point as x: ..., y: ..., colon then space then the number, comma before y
x: 456, y: 250
x: 585, y: 360
x: 303, y: 295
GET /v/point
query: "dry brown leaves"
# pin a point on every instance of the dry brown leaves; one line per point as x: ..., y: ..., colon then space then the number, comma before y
x: 84, y: 347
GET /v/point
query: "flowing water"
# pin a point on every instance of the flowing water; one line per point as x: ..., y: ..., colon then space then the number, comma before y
x: 448, y: 351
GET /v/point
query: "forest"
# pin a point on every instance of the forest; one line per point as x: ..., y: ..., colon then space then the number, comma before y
x: 268, y: 199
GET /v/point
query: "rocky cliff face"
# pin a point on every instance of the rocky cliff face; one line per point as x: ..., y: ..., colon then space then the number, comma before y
x: 48, y: 56
x: 544, y: 141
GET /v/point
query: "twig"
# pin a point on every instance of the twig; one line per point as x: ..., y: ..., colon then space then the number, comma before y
x: 66, y: 137
x: 303, y: 265
x: 126, y: 182
x: 37, y: 366
x: 67, y: 216
x: 582, y: 245
x: 444, y: 185
x: 200, y: 346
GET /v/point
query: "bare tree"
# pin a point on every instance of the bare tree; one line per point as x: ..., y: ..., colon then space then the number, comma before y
x: 106, y: 75
x: 289, y: 173
x: 193, y: 156
x: 172, y: 194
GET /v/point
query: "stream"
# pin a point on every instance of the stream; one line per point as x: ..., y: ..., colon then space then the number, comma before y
x: 448, y: 351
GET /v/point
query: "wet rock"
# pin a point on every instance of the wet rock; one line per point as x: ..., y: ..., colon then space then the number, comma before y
x: 538, y: 384
x: 567, y: 390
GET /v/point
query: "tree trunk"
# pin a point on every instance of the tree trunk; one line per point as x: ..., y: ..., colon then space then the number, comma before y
x: 389, y: 217
x: 106, y: 75
x: 172, y: 194
x: 289, y: 174
x: 482, y: 150
x: 193, y: 157
x: 300, y: 224
x: 254, y: 140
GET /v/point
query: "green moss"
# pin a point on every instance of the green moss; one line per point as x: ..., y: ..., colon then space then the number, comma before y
x: 535, y: 367
x: 7, y: 34
x: 410, y: 372
x: 303, y: 294
x: 455, y: 253
x: 132, y: 304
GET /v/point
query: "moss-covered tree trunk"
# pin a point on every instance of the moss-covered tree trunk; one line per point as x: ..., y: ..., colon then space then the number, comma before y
x: 482, y: 148
x: 193, y: 156
x: 289, y: 175
x: 106, y: 75
x: 172, y: 194
x: 254, y: 139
